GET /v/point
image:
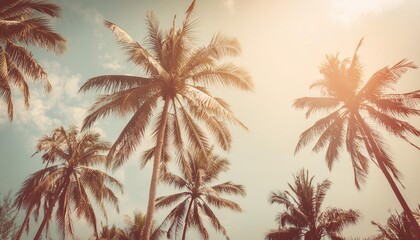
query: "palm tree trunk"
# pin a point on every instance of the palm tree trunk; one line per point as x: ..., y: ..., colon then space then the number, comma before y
x: 155, y: 174
x: 184, y: 232
x: 378, y: 156
x: 25, y: 222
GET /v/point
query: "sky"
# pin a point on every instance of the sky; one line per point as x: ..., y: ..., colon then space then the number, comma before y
x: 283, y: 44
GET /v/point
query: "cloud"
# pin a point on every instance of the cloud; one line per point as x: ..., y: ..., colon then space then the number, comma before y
x: 114, y: 65
x: 62, y: 107
x: 350, y: 11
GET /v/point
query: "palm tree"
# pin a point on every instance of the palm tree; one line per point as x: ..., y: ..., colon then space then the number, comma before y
x: 397, y: 227
x: 68, y: 181
x: 197, y: 195
x: 135, y: 226
x: 303, y: 216
x: 174, y: 92
x: 23, y: 23
x: 350, y: 105
x: 111, y: 233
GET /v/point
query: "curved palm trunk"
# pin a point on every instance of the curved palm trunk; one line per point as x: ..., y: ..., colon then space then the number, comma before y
x: 184, y: 232
x: 25, y: 222
x: 388, y: 177
x: 155, y: 174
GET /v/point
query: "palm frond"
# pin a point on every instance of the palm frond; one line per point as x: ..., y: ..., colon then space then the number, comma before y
x: 220, y: 202
x: 113, y: 83
x: 283, y: 233
x: 316, y: 129
x: 174, y: 180
x: 213, y: 219
x: 227, y: 75
x: 137, y: 53
x: 166, y: 201
x: 316, y: 104
x: 384, y: 78
x: 229, y: 188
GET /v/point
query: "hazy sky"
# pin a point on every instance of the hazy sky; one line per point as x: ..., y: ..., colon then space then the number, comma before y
x: 283, y: 43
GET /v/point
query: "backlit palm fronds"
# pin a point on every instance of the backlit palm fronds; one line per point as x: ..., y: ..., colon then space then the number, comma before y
x: 352, y: 108
x: 69, y: 183
x: 24, y: 23
x: 303, y: 216
x: 196, y: 198
x: 174, y: 97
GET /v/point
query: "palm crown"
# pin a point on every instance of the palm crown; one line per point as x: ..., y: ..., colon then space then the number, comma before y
x: 397, y: 227
x: 178, y: 74
x: 303, y: 216
x: 175, y: 91
x: 198, y: 196
x: 69, y: 180
x: 23, y: 23
x: 350, y: 104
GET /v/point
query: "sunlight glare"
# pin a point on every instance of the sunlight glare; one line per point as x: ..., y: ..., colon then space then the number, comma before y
x: 347, y: 12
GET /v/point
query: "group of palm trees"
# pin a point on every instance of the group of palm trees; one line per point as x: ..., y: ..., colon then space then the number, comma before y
x: 187, y: 121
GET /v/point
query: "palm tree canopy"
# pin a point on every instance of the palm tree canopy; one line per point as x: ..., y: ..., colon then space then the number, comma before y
x: 70, y: 178
x: 349, y: 104
x: 176, y: 73
x: 397, y: 227
x: 24, y: 23
x: 196, y: 191
x: 303, y: 215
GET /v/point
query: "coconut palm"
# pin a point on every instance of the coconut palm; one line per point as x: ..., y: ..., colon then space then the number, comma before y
x: 397, y: 227
x: 132, y: 230
x: 303, y: 216
x: 174, y: 93
x: 197, y: 196
x: 69, y: 181
x: 24, y: 23
x: 111, y: 233
x: 352, y: 109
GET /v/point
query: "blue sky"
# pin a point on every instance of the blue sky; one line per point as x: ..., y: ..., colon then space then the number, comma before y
x: 283, y: 43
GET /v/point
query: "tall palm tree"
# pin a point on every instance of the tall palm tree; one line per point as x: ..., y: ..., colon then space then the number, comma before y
x: 303, y: 216
x: 397, y: 227
x: 24, y: 23
x: 69, y: 181
x: 174, y: 92
x: 197, y: 195
x: 352, y: 109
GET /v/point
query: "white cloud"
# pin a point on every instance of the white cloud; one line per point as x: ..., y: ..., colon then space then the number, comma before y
x: 347, y: 11
x: 62, y: 107
x: 114, y: 65
x: 71, y: 86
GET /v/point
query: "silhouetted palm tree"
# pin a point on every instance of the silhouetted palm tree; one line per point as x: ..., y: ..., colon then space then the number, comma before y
x: 351, y: 105
x: 397, y: 227
x: 111, y: 233
x: 174, y: 91
x: 197, y: 195
x: 24, y: 23
x: 303, y: 216
x: 69, y: 181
